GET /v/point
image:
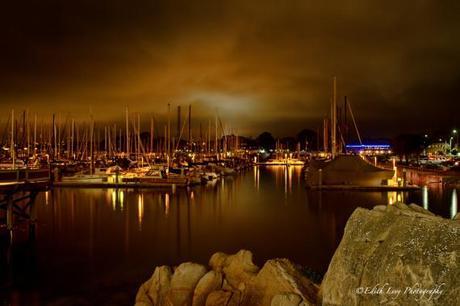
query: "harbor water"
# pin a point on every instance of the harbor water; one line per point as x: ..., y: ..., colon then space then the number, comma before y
x: 96, y: 246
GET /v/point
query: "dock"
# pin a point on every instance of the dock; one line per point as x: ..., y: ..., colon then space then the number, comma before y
x: 364, y: 188
x: 18, y: 190
x: 128, y: 185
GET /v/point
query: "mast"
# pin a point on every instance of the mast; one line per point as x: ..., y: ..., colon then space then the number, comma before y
x: 35, y: 131
x: 334, y: 119
x: 190, y: 126
x: 139, y: 140
x: 58, y: 124
x: 209, y: 136
x: 72, y: 138
x: 127, y: 130
x: 215, y: 140
x: 28, y: 133
x: 178, y: 122
x: 54, y: 145
x: 91, y: 137
x: 325, y: 135
x: 169, y: 130
x: 13, y: 153
x: 151, y: 134
x: 345, y: 124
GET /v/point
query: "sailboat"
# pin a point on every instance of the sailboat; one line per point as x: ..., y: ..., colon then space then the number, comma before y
x: 346, y: 171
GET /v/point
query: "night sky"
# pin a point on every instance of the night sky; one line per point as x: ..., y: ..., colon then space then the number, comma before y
x: 262, y: 65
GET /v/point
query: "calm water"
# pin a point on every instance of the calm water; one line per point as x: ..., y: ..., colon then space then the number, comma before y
x: 98, y: 246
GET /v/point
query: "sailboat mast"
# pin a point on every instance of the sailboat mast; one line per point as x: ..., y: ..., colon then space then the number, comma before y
x: 151, y: 134
x: 190, y: 126
x: 35, y: 132
x: 13, y: 153
x: 215, y: 140
x: 334, y: 119
x: 127, y: 130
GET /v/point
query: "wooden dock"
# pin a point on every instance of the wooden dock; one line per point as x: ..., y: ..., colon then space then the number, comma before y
x: 128, y: 185
x: 364, y: 188
x: 18, y: 190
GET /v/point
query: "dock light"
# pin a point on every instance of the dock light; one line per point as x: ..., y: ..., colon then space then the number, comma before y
x: 454, y: 131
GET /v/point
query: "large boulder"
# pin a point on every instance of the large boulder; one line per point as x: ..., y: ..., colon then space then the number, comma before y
x: 211, y: 281
x: 153, y: 291
x: 279, y: 280
x: 217, y: 261
x: 218, y: 298
x: 393, y: 255
x: 239, y: 269
x: 234, y: 281
x: 183, y: 283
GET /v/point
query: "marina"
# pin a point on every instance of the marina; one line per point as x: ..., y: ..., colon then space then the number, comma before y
x: 242, y: 153
x: 76, y: 230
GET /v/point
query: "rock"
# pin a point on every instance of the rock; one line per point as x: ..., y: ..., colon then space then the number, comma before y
x: 143, y: 304
x: 420, y: 209
x: 142, y: 299
x: 218, y: 298
x: 239, y: 268
x: 280, y: 277
x: 153, y: 292
x: 217, y: 261
x: 402, y: 248
x: 286, y: 299
x: 211, y: 281
x: 183, y: 283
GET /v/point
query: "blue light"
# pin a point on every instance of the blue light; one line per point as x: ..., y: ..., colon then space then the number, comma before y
x: 368, y: 146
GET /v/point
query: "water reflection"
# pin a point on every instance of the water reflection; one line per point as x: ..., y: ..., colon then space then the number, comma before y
x: 425, y: 197
x: 166, y: 203
x: 140, y: 209
x: 121, y: 234
x: 396, y: 197
x: 453, y: 205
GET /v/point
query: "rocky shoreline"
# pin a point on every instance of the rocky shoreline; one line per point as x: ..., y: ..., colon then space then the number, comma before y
x: 396, y: 255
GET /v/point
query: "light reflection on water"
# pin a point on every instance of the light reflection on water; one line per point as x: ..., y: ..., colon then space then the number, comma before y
x: 118, y: 236
x: 425, y: 197
x: 454, y: 204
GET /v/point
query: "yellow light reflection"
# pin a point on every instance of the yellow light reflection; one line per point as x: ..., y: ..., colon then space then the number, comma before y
x: 167, y: 204
x: 425, y: 197
x: 454, y: 204
x: 122, y: 200
x: 140, y: 209
x: 391, y: 197
x: 114, y: 200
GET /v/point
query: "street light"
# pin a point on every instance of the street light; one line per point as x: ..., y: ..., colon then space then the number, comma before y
x: 456, y: 139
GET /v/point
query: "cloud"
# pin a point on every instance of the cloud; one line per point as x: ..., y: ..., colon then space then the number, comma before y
x: 261, y: 63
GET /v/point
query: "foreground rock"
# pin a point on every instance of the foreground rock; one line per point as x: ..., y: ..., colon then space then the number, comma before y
x: 233, y: 280
x: 392, y: 255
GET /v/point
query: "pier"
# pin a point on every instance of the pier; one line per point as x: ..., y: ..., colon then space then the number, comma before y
x: 18, y: 190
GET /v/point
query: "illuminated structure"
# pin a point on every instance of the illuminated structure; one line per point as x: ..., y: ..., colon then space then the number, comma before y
x: 369, y: 149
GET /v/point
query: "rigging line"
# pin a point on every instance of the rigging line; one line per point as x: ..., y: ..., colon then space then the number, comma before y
x: 354, y: 122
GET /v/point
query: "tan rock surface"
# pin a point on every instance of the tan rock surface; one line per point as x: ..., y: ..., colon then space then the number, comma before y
x: 401, y: 248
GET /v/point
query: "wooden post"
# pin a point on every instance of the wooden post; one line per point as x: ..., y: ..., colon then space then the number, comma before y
x: 9, y: 212
x: 320, y: 178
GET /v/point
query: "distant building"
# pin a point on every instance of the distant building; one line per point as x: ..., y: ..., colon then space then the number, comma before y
x: 369, y: 148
